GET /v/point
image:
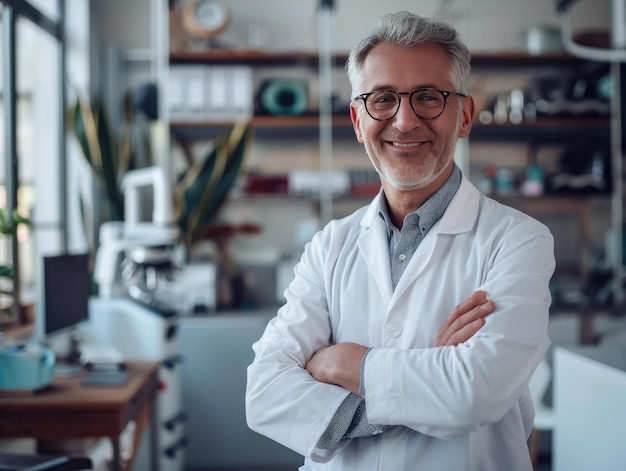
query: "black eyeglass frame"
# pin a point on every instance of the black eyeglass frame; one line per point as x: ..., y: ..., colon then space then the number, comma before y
x: 446, y: 93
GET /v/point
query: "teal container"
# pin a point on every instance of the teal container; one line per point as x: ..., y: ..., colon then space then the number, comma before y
x: 26, y: 368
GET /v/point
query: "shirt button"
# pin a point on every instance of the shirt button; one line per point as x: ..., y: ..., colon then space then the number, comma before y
x: 402, y: 257
x: 393, y: 330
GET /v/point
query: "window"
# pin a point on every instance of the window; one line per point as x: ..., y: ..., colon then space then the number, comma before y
x: 32, y: 134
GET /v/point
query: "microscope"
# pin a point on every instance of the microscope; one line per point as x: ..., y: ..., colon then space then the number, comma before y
x: 134, y: 255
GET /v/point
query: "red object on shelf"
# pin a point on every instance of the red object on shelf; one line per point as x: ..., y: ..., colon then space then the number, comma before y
x: 261, y: 184
x: 365, y: 189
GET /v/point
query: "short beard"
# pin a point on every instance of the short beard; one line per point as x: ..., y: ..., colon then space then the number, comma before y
x: 425, y: 180
x: 422, y: 182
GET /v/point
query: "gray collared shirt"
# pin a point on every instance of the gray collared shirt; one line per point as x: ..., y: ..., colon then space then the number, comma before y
x: 403, y: 242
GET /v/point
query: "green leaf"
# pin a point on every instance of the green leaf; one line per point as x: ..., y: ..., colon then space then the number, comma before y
x: 9, y: 226
x: 9, y: 311
x: 234, y: 160
x: 19, y: 219
x: 91, y: 129
x: 82, y: 130
x: 206, y: 184
x: 109, y: 164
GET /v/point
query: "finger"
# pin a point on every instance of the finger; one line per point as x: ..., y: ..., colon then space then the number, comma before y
x: 473, y: 314
x: 465, y: 333
x: 464, y: 326
x: 476, y: 299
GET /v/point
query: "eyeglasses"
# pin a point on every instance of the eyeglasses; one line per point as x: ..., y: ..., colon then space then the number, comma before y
x: 426, y: 103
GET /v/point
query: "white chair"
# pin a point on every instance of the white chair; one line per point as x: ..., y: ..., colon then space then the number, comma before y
x: 544, y: 415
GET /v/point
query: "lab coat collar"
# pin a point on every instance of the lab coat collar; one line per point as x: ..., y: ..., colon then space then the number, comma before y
x: 459, y: 217
x: 462, y: 211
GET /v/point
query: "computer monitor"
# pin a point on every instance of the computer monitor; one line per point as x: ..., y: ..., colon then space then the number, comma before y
x: 67, y: 288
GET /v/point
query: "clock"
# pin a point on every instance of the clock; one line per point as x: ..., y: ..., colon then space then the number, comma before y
x: 205, y: 19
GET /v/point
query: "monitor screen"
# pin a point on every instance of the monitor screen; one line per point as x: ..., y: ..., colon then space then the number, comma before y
x: 67, y: 287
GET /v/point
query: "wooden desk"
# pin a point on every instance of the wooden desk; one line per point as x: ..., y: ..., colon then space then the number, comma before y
x: 66, y: 410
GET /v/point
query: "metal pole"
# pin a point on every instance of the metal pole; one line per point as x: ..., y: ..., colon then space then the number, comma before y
x: 10, y: 139
x: 326, y: 107
x: 617, y: 194
x: 618, y: 42
x: 62, y: 133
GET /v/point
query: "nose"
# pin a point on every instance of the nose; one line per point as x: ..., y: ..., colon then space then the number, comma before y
x: 405, y: 119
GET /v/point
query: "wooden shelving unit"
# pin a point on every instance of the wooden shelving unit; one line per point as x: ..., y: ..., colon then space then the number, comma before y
x: 553, y: 131
x: 257, y: 57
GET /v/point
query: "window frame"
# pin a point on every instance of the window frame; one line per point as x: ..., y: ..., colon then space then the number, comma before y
x: 12, y: 11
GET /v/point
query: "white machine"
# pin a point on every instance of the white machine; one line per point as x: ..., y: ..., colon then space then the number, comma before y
x: 134, y: 254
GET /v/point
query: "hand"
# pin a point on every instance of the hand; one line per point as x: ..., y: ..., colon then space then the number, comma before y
x: 466, y: 319
x: 338, y: 364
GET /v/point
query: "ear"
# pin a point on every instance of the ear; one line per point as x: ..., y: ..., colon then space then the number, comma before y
x: 468, y: 116
x: 356, y: 122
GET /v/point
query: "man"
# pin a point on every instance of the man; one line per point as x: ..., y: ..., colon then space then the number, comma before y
x: 413, y: 326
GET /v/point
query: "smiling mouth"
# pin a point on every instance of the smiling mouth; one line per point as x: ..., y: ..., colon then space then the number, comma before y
x: 406, y: 144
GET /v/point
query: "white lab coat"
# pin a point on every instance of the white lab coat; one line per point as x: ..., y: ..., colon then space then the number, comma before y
x: 452, y: 408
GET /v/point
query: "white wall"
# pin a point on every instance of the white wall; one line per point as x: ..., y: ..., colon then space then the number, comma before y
x: 485, y: 24
x: 292, y: 25
x: 123, y: 23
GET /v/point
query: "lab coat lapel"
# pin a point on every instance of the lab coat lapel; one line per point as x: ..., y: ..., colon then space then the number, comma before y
x: 459, y: 217
x: 373, y: 246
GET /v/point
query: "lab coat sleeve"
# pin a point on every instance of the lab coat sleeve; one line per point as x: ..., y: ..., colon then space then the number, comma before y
x: 283, y: 401
x: 447, y: 391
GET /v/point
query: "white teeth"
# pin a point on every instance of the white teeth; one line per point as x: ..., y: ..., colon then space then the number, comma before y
x: 402, y: 144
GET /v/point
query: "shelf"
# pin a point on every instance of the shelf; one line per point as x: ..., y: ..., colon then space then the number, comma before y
x: 298, y: 198
x: 570, y: 203
x: 249, y: 56
x: 523, y: 59
x: 258, y: 57
x: 561, y: 204
x: 544, y: 129
x: 268, y: 126
x: 304, y: 121
x: 551, y: 125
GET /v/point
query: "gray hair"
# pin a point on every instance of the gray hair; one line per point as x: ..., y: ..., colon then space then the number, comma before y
x: 406, y: 29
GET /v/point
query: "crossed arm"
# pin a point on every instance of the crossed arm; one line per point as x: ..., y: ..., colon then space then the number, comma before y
x: 340, y: 363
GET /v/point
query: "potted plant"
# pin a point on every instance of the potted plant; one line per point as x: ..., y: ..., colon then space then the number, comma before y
x: 9, y: 309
